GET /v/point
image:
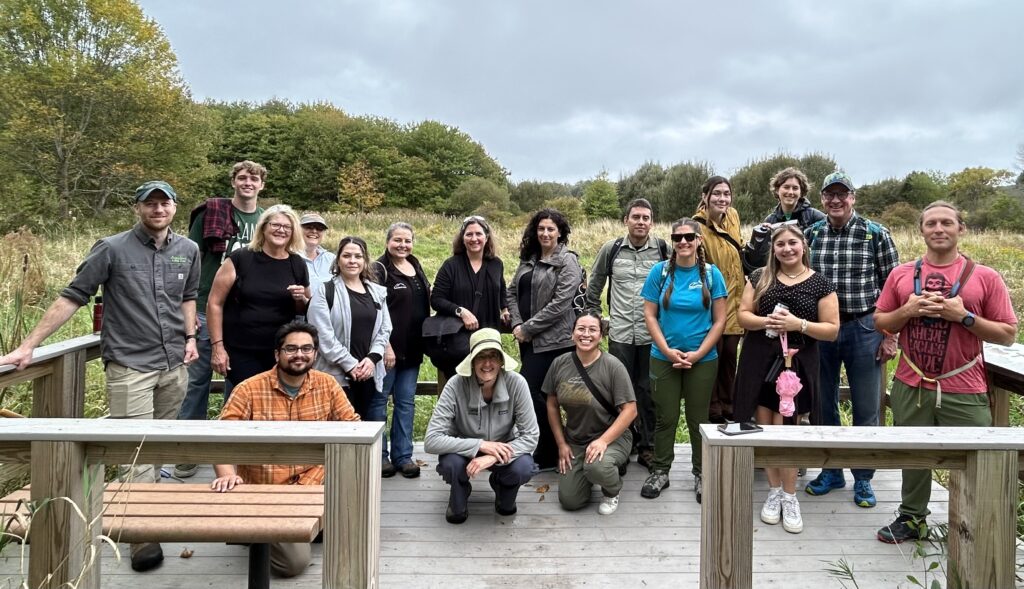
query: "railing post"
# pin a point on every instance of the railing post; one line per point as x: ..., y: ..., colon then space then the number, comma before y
x: 982, y: 522
x: 62, y: 392
x: 60, y: 539
x: 352, y: 515
x: 726, y: 522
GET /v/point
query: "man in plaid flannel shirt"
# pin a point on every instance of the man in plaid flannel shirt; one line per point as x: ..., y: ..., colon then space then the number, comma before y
x: 856, y: 254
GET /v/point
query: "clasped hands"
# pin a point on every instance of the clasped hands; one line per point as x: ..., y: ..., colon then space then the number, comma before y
x: 491, y: 453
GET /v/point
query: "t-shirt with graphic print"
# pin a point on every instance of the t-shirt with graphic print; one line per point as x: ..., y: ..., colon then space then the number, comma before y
x: 937, y: 346
x: 585, y: 418
x: 211, y: 261
x: 685, y: 322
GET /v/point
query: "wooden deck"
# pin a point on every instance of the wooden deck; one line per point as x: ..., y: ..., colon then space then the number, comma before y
x: 646, y: 543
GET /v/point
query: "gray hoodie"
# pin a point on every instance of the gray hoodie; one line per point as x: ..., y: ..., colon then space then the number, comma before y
x: 462, y: 419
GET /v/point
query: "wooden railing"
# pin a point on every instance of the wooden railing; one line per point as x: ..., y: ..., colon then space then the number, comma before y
x: 984, y: 464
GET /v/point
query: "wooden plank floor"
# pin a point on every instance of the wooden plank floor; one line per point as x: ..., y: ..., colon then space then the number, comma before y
x: 646, y: 543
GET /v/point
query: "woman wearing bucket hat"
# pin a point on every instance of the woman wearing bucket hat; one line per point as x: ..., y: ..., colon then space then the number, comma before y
x: 484, y: 420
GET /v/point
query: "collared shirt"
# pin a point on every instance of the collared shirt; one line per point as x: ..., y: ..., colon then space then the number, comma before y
x: 143, y: 290
x: 629, y: 271
x: 856, y: 260
x: 320, y: 268
x: 262, y: 398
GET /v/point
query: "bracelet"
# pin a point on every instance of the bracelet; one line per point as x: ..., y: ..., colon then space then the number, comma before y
x: 189, y: 336
x: 803, y: 326
x: 220, y: 341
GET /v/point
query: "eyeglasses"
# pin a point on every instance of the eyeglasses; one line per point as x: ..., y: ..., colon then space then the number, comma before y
x: 292, y: 350
x: 584, y: 330
x: 689, y: 237
x: 280, y: 227
x: 840, y: 196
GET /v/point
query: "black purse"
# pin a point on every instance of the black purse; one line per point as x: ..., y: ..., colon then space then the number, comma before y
x: 611, y: 409
x: 445, y: 340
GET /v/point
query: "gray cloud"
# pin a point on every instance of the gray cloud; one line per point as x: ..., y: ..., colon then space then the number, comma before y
x: 559, y: 90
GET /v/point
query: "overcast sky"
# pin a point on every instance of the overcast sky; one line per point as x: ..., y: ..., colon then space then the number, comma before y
x: 558, y: 90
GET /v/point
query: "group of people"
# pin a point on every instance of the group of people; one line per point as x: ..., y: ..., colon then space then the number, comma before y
x: 701, y: 325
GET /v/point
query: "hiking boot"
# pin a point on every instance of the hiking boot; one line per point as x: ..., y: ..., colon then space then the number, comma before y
x: 608, y: 505
x: 698, y: 486
x: 791, y: 520
x: 654, y: 484
x: 825, y: 482
x: 645, y: 457
x: 146, y: 556
x: 409, y: 470
x: 906, y: 527
x: 455, y: 518
x: 387, y: 470
x: 623, y: 468
x: 771, y: 511
x: 184, y: 471
x: 863, y: 494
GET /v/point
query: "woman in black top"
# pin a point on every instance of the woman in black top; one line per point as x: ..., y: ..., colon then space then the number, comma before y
x: 471, y: 283
x: 409, y: 304
x: 257, y: 290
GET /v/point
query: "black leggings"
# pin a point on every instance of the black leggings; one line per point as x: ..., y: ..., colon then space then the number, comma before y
x: 535, y: 368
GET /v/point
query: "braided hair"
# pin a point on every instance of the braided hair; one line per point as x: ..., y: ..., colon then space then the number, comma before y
x: 701, y: 265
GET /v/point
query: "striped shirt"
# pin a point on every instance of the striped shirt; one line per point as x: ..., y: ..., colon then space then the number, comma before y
x: 262, y: 398
x: 856, y: 259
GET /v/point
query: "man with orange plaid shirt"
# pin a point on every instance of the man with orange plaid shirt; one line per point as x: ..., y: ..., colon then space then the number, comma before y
x: 291, y: 391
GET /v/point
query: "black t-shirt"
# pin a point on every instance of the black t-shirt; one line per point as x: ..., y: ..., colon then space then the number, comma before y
x: 259, y: 302
x: 364, y: 316
x: 525, y: 288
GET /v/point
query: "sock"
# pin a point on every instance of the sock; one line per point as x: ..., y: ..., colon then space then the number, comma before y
x: 790, y: 496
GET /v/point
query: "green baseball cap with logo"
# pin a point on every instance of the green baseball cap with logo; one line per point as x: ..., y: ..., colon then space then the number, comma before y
x: 143, y: 192
x: 838, y: 178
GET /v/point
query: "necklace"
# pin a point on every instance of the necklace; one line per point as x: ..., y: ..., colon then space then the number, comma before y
x: 793, y: 276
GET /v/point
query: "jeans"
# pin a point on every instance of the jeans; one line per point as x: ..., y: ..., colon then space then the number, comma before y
x: 197, y: 395
x: 855, y: 349
x: 505, y: 479
x: 400, y: 383
x: 637, y: 360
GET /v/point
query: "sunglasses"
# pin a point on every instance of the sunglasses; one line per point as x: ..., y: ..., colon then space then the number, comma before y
x: 689, y: 237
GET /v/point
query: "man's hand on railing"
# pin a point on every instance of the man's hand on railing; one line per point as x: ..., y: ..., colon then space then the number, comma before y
x: 20, y: 357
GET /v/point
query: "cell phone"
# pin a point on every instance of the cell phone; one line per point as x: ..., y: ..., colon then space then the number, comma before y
x: 735, y: 428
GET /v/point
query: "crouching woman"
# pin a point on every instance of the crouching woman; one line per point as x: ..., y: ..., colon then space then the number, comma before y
x: 484, y: 420
x: 596, y: 394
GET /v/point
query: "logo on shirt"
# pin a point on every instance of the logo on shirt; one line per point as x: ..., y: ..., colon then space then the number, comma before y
x: 696, y: 284
x: 179, y: 259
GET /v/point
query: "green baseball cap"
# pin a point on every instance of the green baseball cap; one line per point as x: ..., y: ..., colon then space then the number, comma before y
x: 838, y: 178
x: 143, y: 192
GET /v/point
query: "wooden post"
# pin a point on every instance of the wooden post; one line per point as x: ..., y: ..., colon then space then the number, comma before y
x: 60, y: 539
x: 62, y: 392
x: 982, y: 522
x: 726, y: 522
x: 999, y: 404
x: 352, y: 516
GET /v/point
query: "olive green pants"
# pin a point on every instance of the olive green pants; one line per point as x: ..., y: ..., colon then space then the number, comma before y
x: 913, y: 406
x: 670, y: 387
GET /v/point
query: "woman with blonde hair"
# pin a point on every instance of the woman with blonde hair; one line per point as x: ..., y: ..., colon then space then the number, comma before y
x: 809, y: 313
x: 257, y: 290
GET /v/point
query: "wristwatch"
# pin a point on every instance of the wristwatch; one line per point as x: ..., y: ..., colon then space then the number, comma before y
x: 458, y: 311
x: 968, y: 321
x: 189, y: 336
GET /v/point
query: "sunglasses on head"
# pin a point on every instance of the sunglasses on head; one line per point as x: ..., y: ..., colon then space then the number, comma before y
x: 689, y: 237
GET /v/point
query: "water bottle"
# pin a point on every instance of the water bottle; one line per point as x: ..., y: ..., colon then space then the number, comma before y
x: 97, y: 314
x: 778, y: 307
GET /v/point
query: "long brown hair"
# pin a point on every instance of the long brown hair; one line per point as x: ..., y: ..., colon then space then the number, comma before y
x: 769, y: 276
x: 701, y: 264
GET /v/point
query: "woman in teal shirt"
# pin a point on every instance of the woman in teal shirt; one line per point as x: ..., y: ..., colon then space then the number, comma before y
x: 685, y: 311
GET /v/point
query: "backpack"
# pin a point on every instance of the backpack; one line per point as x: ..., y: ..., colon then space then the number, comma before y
x: 663, y: 251
x: 579, y: 302
x: 664, y: 276
x: 874, y: 234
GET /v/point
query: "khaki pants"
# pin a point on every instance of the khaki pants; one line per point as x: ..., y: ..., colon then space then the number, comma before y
x: 574, y: 486
x: 144, y: 395
x: 290, y: 559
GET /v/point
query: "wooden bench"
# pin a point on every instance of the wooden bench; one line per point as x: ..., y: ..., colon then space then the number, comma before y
x: 250, y: 514
x: 983, y: 464
x: 65, y: 454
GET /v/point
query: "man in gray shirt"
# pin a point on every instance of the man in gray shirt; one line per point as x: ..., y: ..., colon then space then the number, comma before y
x: 150, y: 280
x: 624, y: 264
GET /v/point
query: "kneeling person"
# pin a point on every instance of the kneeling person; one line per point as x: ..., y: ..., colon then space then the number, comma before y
x: 290, y: 391
x: 484, y: 420
x: 595, y: 391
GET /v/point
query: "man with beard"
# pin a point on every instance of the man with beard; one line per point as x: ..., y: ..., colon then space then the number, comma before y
x: 944, y: 305
x: 291, y: 391
x: 150, y: 280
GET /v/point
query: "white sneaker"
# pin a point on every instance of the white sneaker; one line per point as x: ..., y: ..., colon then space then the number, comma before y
x: 608, y: 505
x: 791, y: 520
x: 771, y: 513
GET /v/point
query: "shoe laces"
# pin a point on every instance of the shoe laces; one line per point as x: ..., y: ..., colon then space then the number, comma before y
x: 773, y: 501
x: 791, y: 509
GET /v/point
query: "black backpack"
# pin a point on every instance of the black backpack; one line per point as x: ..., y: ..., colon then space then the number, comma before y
x: 663, y: 250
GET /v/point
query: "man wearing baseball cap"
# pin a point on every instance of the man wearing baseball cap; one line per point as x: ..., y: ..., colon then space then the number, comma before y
x: 857, y: 255
x: 150, y: 280
x: 318, y: 259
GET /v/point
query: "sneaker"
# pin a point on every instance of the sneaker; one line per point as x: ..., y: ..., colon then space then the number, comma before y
x: 409, y: 470
x: 184, y: 471
x: 863, y: 494
x: 387, y: 470
x: 825, y: 482
x: 608, y: 505
x: 645, y: 457
x: 698, y: 486
x: 906, y: 527
x: 654, y: 484
x: 801, y: 472
x: 146, y: 556
x: 791, y: 520
x: 771, y: 512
